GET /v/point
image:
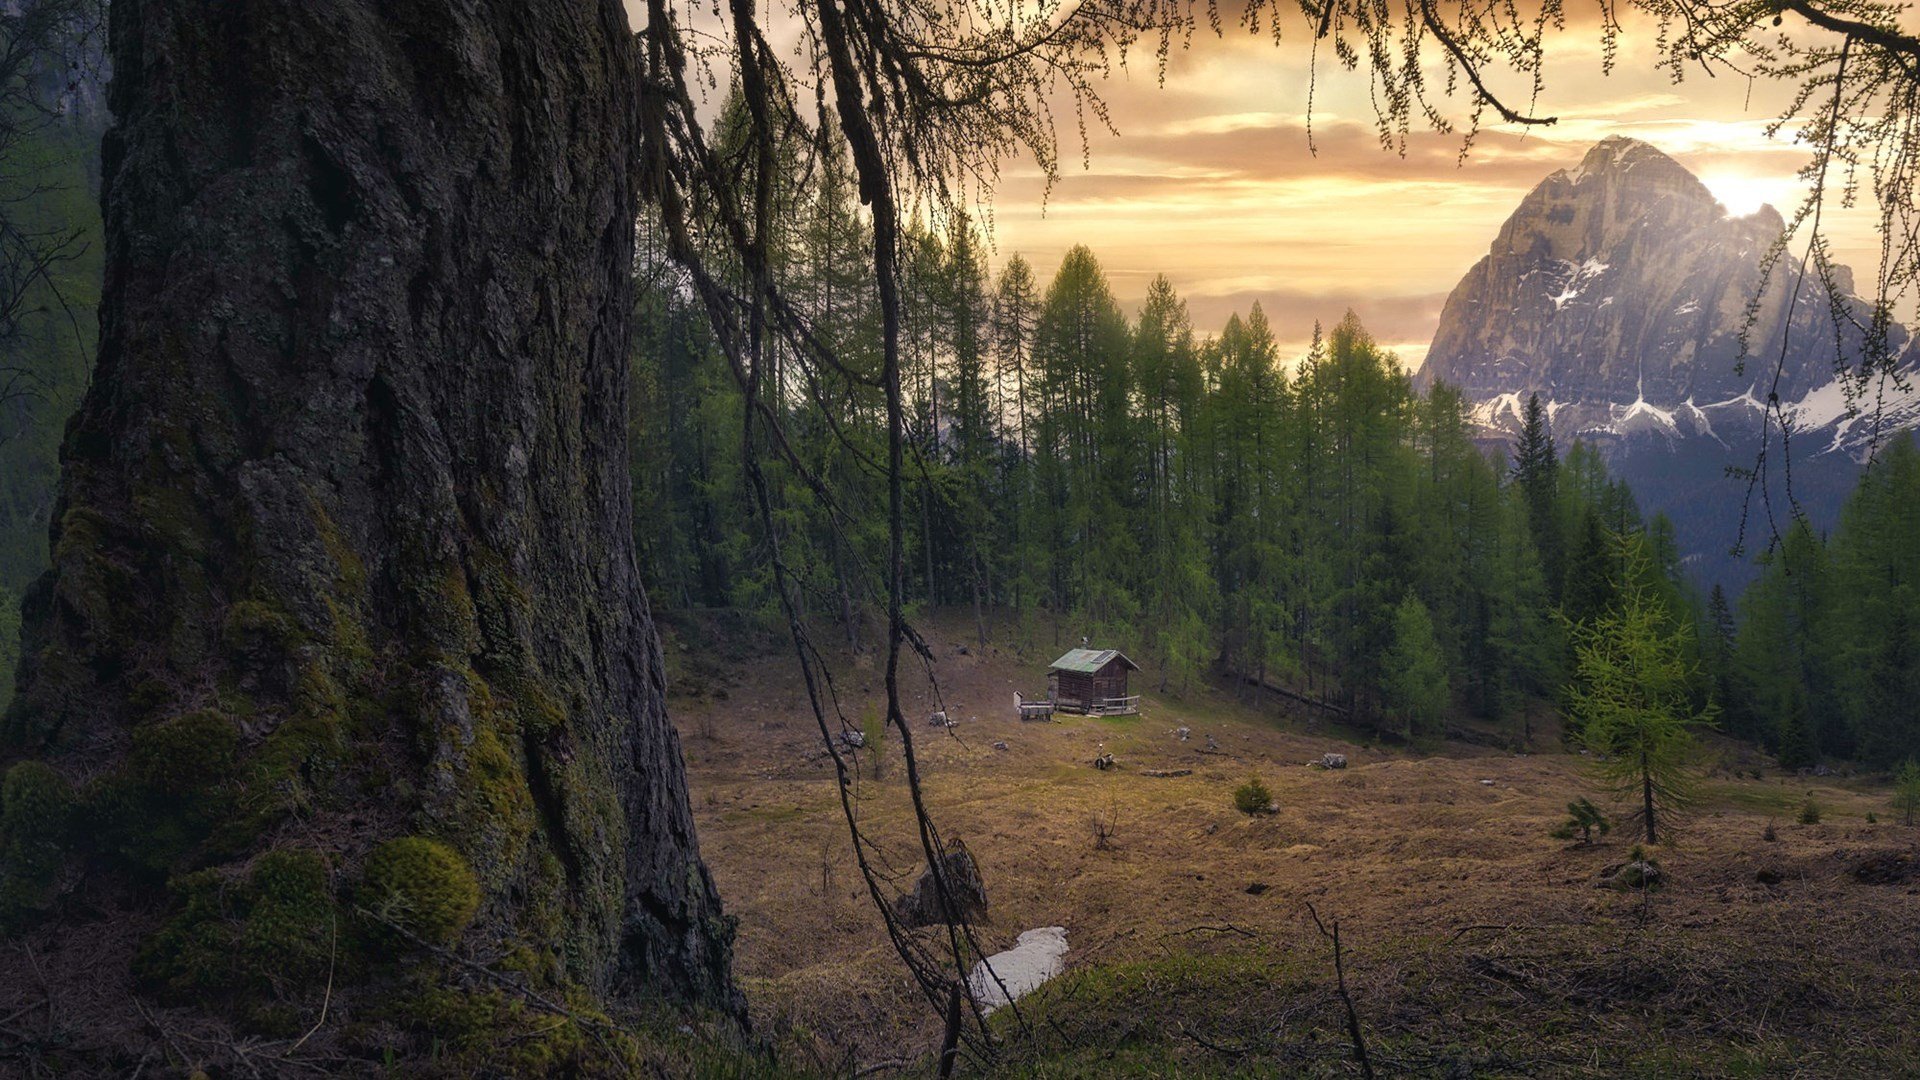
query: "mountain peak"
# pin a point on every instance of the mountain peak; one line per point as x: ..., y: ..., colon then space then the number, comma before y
x: 1614, y: 152
x: 1628, y: 163
x: 1623, y: 282
x: 1619, y: 291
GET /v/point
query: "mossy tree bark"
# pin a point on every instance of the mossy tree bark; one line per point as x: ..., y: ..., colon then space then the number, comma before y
x: 345, y: 551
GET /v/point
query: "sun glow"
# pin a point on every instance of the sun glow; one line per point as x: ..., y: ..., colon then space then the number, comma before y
x: 1743, y: 193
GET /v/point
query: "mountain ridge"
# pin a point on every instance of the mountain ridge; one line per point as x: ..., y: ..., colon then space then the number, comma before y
x: 1644, y: 316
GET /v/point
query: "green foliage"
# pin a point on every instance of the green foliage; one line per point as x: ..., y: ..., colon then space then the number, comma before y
x: 1826, y: 663
x: 1201, y: 502
x: 1583, y: 820
x: 1632, y: 698
x: 423, y: 886
x: 1906, y: 791
x: 1536, y: 473
x: 1810, y: 812
x: 1415, y: 682
x: 1253, y: 797
x: 36, y: 807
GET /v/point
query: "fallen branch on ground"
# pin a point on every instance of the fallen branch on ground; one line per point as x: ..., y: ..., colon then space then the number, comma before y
x: 1340, y: 978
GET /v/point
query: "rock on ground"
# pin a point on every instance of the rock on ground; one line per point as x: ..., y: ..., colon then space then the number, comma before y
x: 1037, y: 955
x: 965, y: 891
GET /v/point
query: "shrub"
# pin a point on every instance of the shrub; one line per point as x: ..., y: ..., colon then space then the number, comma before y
x: 423, y: 886
x: 1104, y: 823
x: 1906, y: 791
x: 1583, y: 818
x: 1810, y: 813
x: 1253, y: 797
x: 35, y: 805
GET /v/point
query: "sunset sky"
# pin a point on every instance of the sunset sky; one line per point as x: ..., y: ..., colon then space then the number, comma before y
x: 1210, y: 179
x: 1211, y: 183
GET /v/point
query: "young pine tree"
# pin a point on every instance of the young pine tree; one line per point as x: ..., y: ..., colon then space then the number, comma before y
x: 1632, y: 697
x: 1906, y: 792
x: 1414, y: 682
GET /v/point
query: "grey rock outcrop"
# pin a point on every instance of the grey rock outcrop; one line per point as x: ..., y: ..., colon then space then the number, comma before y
x: 1619, y: 291
x: 966, y: 893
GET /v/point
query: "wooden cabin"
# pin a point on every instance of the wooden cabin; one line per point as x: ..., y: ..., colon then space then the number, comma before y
x: 1092, y: 682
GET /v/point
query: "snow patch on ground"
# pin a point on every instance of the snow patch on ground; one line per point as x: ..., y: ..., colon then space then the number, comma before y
x: 1005, y: 977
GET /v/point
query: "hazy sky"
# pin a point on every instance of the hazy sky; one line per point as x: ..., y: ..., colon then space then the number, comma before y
x: 1211, y: 182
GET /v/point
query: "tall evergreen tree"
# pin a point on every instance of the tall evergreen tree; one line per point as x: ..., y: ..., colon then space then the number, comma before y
x: 1536, y: 470
x: 343, y: 615
x: 1086, y: 451
x: 1015, y: 319
x: 1178, y: 593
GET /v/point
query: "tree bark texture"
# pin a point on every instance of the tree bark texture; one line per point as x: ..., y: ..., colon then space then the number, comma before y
x: 345, y: 516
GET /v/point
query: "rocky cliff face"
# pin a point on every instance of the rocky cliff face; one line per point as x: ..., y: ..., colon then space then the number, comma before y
x: 1618, y: 291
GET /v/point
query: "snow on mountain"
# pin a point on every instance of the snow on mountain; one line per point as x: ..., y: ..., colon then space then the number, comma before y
x: 1620, y: 291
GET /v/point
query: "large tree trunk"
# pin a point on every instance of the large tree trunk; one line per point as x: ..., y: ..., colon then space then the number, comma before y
x: 345, y: 520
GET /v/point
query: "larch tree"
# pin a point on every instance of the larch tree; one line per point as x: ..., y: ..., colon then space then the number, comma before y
x: 1414, y: 680
x: 1632, y: 699
x: 344, y: 635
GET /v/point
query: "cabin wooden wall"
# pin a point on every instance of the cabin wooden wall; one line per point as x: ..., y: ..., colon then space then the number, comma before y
x: 1074, y: 688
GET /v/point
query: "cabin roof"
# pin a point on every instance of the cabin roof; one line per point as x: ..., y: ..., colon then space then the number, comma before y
x: 1088, y: 661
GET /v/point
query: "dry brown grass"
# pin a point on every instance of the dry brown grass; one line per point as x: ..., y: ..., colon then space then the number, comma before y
x: 1405, y: 849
